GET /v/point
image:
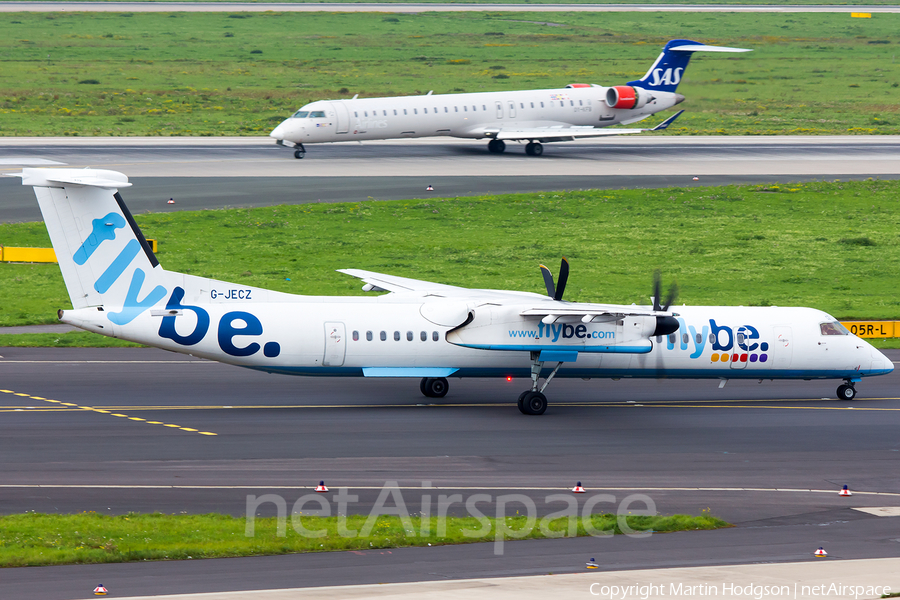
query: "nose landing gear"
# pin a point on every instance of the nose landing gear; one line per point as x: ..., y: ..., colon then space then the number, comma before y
x: 299, y: 151
x: 846, y: 391
x: 434, y: 387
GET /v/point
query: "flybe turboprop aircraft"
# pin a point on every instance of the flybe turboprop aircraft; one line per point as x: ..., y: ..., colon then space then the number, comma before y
x: 422, y: 330
x: 577, y: 111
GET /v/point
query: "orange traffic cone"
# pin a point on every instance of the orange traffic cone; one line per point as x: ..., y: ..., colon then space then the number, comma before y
x: 100, y: 590
x: 321, y: 487
x: 821, y: 552
x: 592, y: 564
x: 578, y: 489
x: 845, y: 492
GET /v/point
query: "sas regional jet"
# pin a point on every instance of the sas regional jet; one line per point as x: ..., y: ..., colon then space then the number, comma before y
x: 579, y: 110
x: 417, y: 329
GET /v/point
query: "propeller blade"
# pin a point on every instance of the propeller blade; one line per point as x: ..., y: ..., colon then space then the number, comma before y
x: 563, y: 278
x: 548, y: 281
x: 673, y: 294
x: 657, y: 291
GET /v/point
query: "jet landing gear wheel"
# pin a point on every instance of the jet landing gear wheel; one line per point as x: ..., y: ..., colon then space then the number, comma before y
x: 299, y: 151
x: 846, y: 392
x: 496, y: 146
x: 434, y: 387
x: 532, y: 403
x: 534, y: 149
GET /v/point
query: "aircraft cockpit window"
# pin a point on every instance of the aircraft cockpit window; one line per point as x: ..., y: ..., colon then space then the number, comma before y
x: 833, y: 328
x: 300, y: 114
x: 368, y: 336
x: 383, y: 336
x: 317, y: 114
x: 435, y: 336
x: 355, y: 336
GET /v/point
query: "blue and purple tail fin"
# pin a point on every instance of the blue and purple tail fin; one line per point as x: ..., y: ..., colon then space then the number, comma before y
x: 667, y: 71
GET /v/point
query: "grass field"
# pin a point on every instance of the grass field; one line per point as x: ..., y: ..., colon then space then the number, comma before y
x: 833, y: 246
x: 241, y: 73
x: 43, y: 539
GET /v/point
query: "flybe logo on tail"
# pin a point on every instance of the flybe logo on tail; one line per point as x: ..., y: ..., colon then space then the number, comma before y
x: 104, y: 230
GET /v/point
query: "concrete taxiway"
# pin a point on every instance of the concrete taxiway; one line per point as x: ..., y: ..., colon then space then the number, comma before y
x: 230, y: 172
x: 768, y: 457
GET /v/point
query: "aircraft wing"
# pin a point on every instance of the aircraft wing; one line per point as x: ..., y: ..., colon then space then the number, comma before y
x: 567, y: 134
x: 590, y: 312
x: 379, y: 282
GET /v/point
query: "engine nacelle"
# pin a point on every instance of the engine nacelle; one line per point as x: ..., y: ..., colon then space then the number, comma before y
x: 625, y: 96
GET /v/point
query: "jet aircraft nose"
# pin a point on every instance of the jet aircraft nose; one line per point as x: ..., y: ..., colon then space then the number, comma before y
x: 278, y: 132
x: 679, y: 98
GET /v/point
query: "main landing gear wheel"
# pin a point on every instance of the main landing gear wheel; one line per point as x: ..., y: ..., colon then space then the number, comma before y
x: 300, y: 152
x: 532, y: 403
x: 496, y: 146
x: 846, y: 392
x: 534, y: 149
x: 434, y: 387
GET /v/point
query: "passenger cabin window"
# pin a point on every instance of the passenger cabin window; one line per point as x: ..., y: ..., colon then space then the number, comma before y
x: 571, y: 103
x: 404, y: 111
x: 521, y: 105
x: 465, y: 108
x: 366, y: 113
x: 455, y: 109
x: 474, y: 108
x: 355, y: 114
x: 435, y: 336
x: 712, y: 338
x: 542, y: 105
x: 300, y: 114
x: 317, y: 114
x: 425, y: 110
x: 532, y: 105
x: 383, y: 336
x: 396, y: 336
x: 446, y: 109
x: 671, y: 338
x: 423, y: 336
x: 562, y: 103
x: 833, y: 328
x: 483, y: 107
x: 395, y: 112
x: 699, y: 339
x: 740, y: 338
x: 409, y: 336
x: 580, y: 103
x: 368, y: 336
x: 385, y: 113
x: 355, y: 336
x: 415, y: 111
x: 684, y: 338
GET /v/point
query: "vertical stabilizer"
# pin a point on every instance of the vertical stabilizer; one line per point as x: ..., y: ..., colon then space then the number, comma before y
x: 666, y: 73
x: 104, y: 258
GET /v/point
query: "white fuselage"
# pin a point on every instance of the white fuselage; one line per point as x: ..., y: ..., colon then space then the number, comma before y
x: 475, y: 115
x: 386, y: 336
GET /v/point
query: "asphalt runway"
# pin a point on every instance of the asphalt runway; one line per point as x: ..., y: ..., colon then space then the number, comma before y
x: 768, y: 457
x: 240, y: 172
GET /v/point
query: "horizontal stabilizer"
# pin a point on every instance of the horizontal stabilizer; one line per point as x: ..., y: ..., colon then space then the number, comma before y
x: 99, y: 178
x: 705, y: 48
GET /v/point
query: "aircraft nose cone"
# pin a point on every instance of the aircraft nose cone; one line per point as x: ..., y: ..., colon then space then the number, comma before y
x: 679, y: 98
x: 278, y: 132
x: 881, y: 362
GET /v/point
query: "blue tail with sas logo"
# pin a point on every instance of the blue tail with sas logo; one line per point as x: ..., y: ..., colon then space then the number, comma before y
x: 668, y: 70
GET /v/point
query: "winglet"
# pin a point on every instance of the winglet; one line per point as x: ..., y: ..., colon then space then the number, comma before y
x: 667, y: 122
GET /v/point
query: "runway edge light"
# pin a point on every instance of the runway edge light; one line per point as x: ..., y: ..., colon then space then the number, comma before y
x: 321, y: 487
x: 845, y: 492
x: 592, y: 564
x: 100, y: 590
x: 578, y: 490
x: 821, y: 552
